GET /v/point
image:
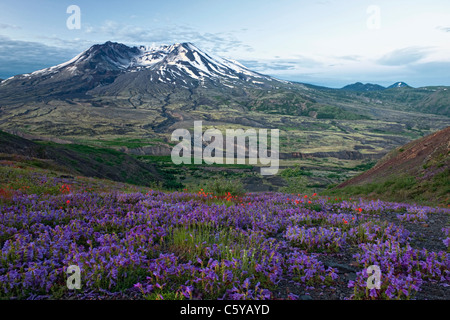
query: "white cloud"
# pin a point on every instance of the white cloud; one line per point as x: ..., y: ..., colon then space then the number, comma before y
x: 445, y: 29
x: 215, y: 42
x: 8, y: 26
x: 404, y: 56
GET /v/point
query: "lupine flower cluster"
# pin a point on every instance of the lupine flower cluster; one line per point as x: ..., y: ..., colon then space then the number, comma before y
x: 309, y: 270
x: 378, y: 206
x: 323, y: 239
x: 403, y: 269
x: 370, y: 232
x: 446, y: 241
x: 196, y: 245
x: 420, y: 216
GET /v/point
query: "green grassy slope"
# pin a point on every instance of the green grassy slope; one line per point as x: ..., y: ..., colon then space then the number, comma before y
x: 418, y: 171
x: 83, y: 160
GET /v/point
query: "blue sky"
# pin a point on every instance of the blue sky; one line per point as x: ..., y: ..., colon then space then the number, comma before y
x: 323, y: 42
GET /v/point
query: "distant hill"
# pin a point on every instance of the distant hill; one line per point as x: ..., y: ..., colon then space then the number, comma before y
x: 418, y: 171
x: 398, y: 85
x: 360, y: 87
x: 399, y: 96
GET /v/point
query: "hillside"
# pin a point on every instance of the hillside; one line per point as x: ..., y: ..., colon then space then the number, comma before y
x: 398, y: 97
x: 419, y: 171
x: 76, y: 159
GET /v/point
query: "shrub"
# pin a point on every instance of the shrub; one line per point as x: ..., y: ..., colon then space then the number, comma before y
x: 222, y: 187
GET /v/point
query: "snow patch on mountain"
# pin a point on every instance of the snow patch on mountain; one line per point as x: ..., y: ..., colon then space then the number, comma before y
x: 174, y: 63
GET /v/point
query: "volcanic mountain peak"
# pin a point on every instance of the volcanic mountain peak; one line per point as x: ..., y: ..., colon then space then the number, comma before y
x: 192, y: 61
x: 113, y: 69
x: 168, y: 63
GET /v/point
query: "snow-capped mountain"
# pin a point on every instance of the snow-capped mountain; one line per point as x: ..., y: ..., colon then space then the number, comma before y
x: 185, y: 59
x: 111, y: 67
